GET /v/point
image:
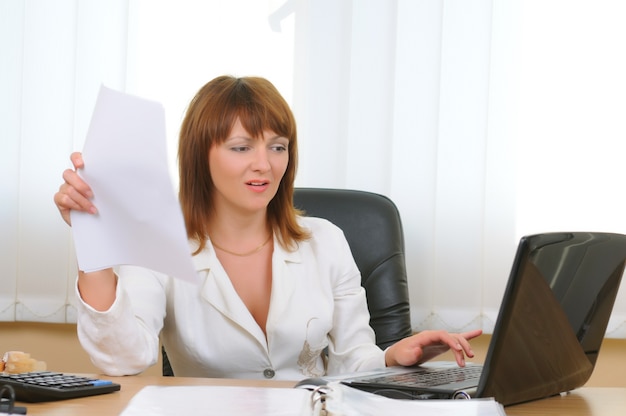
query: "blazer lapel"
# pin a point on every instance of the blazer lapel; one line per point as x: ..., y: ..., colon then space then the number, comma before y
x: 283, y: 281
x: 218, y: 290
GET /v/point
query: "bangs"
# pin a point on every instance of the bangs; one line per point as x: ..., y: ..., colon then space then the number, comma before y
x: 258, y: 109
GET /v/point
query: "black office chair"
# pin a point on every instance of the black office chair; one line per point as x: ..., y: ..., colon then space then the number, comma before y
x: 372, y: 226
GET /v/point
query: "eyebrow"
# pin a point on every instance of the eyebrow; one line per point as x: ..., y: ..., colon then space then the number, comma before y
x: 249, y: 139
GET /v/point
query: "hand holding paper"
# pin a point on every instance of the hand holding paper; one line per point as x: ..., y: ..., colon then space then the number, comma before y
x: 139, y: 220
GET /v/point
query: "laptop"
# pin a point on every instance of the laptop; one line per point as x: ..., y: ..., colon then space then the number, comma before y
x: 548, y: 333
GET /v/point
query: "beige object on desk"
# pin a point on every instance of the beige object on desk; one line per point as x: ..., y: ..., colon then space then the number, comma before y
x: 20, y: 362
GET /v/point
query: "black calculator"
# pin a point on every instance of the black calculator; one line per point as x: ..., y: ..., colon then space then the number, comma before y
x: 45, y: 386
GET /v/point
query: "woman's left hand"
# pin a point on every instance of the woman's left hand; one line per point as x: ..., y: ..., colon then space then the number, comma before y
x: 426, y: 345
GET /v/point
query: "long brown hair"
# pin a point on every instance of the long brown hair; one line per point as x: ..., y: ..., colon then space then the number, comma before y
x: 208, y: 121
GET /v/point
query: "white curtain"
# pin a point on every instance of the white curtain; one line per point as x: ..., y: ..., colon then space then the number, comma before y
x: 482, y: 120
x: 393, y: 97
x: 54, y: 57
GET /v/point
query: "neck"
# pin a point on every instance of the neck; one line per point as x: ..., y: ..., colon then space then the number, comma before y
x: 251, y: 252
x: 239, y: 235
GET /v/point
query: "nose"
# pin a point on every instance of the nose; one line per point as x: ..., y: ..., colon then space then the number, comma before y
x: 261, y: 162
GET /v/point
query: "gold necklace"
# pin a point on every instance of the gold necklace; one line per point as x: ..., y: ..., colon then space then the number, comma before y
x: 249, y: 253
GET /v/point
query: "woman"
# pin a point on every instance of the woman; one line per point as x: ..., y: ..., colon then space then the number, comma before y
x: 280, y: 294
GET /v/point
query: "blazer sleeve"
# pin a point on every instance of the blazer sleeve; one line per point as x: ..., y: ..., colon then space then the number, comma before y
x: 124, y: 340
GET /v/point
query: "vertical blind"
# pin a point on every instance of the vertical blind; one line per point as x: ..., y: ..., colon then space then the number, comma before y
x: 482, y: 120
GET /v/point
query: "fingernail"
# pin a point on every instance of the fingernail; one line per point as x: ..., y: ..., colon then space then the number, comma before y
x: 93, y: 210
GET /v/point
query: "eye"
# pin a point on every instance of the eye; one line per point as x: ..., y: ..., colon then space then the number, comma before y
x: 240, y: 149
x: 278, y: 148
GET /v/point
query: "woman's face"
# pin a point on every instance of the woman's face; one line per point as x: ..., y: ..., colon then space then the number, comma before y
x: 247, y: 171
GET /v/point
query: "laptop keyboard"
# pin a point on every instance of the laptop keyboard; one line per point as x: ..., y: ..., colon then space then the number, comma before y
x: 430, y: 377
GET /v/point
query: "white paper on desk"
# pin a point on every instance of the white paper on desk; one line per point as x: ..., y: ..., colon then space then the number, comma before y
x: 139, y: 220
x: 218, y: 400
x: 341, y: 400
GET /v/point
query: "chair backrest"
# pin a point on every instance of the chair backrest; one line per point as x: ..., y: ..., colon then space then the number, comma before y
x: 372, y: 226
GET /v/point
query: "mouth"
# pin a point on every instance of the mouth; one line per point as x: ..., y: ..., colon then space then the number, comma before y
x: 257, y: 183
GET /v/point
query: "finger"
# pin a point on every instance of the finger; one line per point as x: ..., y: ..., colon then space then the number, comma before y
x: 464, y: 341
x: 63, y: 203
x: 472, y: 334
x: 77, y: 160
x: 68, y: 198
x: 451, y: 340
x: 459, y: 347
x: 466, y: 347
x: 74, y: 180
x: 459, y: 356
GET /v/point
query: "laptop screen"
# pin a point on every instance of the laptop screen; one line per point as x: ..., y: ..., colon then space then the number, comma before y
x: 554, y: 315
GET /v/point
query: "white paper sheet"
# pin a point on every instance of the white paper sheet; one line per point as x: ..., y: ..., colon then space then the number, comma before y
x: 219, y: 400
x: 270, y: 401
x: 348, y: 401
x: 139, y: 220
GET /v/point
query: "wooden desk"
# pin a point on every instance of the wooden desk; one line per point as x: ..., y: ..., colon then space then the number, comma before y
x: 589, y: 401
x: 586, y: 401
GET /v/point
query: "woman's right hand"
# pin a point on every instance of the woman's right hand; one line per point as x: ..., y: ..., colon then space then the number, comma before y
x: 97, y: 289
x: 74, y: 193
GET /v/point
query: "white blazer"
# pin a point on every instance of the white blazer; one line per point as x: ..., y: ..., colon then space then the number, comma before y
x: 317, y: 302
